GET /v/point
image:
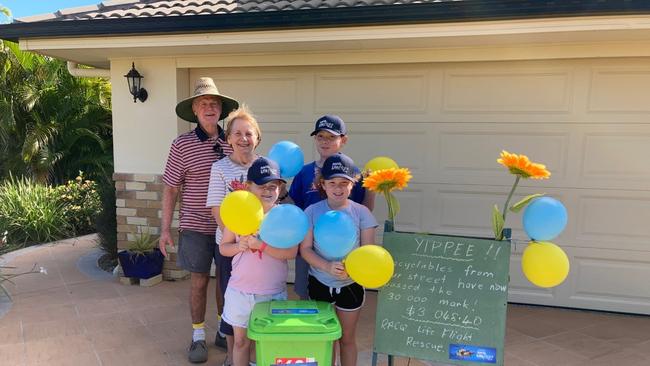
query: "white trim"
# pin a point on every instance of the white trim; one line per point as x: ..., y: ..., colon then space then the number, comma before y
x: 87, y: 73
x: 557, y: 38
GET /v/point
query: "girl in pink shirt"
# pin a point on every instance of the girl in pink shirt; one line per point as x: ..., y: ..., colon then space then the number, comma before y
x: 259, y: 272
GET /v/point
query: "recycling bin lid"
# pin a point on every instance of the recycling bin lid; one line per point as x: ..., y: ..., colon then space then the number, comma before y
x: 295, y: 317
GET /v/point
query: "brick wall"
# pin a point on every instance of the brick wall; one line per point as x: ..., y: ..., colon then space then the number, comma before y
x: 139, y: 210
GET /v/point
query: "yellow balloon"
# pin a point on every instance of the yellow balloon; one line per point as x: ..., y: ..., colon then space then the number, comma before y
x: 545, y: 264
x: 242, y: 212
x: 370, y: 266
x: 379, y: 163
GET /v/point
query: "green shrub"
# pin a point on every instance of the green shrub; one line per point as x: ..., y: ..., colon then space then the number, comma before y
x: 30, y: 213
x: 81, y: 204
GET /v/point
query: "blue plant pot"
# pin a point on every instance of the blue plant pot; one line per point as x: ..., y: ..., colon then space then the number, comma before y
x: 141, y: 266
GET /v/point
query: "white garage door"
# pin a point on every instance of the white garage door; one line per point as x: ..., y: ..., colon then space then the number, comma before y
x: 587, y: 120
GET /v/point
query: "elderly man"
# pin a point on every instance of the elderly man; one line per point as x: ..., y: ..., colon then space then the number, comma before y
x: 187, y: 173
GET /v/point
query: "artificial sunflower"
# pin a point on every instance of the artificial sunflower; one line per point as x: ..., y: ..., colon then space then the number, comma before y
x: 521, y: 167
x: 385, y: 181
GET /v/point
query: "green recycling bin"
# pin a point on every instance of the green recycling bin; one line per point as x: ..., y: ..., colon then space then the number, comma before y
x: 294, y: 332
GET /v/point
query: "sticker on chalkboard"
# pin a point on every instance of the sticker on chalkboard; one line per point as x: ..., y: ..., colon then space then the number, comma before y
x: 293, y: 311
x: 472, y: 353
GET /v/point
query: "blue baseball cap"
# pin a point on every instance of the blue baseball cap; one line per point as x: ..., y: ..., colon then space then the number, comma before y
x: 263, y: 171
x: 339, y: 165
x: 331, y: 124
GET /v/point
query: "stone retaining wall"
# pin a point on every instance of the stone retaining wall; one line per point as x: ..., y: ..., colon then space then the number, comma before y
x: 139, y: 210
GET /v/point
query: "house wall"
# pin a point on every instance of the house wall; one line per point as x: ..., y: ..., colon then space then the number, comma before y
x: 142, y: 135
x: 143, y: 131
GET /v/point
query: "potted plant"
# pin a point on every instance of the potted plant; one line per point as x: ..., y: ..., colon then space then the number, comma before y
x: 142, y: 259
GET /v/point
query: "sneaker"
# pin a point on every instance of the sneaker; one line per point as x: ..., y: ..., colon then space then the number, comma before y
x: 198, y: 352
x: 220, y: 341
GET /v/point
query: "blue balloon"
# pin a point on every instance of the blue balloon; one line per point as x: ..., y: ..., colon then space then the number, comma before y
x: 289, y: 157
x: 335, y: 235
x: 544, y: 218
x: 284, y: 226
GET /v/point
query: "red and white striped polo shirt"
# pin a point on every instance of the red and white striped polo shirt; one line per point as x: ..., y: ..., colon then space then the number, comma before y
x: 188, y: 167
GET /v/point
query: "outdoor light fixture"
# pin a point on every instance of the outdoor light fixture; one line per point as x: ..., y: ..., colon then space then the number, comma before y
x: 135, y: 79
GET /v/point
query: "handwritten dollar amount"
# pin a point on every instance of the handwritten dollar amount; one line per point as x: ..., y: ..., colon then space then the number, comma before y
x: 443, y: 315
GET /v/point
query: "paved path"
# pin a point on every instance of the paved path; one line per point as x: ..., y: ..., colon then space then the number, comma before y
x: 80, y: 315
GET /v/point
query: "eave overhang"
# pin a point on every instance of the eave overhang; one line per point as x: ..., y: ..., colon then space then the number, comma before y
x: 448, y: 11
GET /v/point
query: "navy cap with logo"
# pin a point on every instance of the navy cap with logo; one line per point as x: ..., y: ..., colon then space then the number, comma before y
x: 339, y: 165
x: 263, y: 171
x: 331, y: 124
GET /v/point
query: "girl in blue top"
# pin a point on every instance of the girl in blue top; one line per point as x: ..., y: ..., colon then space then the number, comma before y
x: 329, y: 137
x: 328, y: 280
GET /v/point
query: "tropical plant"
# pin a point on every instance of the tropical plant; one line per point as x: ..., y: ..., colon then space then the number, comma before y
x: 30, y: 213
x: 52, y: 125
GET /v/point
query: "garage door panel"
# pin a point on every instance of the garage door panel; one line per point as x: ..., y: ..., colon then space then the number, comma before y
x: 273, y: 132
x: 286, y: 92
x: 363, y: 92
x: 617, y: 156
x: 587, y: 156
x: 611, y: 220
x: 409, y: 144
x: 598, y: 277
x: 597, y: 219
x: 619, y: 89
x: 467, y: 210
x: 507, y: 90
x: 413, y: 202
x: 470, y: 153
x: 278, y: 95
x: 610, y: 280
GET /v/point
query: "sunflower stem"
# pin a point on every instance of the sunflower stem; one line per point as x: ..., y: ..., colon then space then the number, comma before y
x: 505, y: 207
x: 391, y: 213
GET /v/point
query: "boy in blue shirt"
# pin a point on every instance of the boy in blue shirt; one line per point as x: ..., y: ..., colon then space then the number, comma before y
x: 330, y: 136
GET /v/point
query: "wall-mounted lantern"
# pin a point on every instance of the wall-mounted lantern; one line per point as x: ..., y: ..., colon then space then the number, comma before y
x: 134, y: 79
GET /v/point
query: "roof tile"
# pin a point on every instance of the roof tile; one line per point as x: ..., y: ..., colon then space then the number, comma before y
x: 117, y: 9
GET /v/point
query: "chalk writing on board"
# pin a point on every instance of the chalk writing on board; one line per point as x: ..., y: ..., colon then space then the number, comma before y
x: 445, y: 290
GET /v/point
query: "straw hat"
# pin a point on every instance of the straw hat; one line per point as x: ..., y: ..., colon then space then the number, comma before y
x: 205, y: 86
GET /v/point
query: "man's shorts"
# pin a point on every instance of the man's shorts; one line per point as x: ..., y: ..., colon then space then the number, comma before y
x: 347, y: 298
x: 195, y: 251
x: 239, y: 305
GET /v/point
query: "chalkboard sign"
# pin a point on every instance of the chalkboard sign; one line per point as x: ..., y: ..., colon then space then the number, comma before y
x: 446, y: 301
